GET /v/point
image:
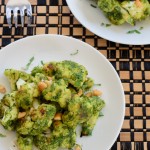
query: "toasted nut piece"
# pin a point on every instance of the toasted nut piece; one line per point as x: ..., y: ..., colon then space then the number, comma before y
x: 2, y: 89
x: 50, y: 66
x: 80, y: 92
x: 21, y: 115
x: 58, y: 116
x: 97, y: 93
x: 138, y: 3
x: 78, y: 147
x: 42, y: 86
x: 89, y: 94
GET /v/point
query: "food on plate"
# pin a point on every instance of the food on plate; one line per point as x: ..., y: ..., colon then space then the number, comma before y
x: 2, y: 89
x: 45, y: 106
x: 121, y: 11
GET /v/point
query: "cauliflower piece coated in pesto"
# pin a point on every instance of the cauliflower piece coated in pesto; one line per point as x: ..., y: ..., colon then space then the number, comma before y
x: 37, y: 121
x: 73, y: 72
x: 82, y: 109
x: 138, y: 9
x: 119, y: 12
x: 61, y: 136
x: 43, y: 142
x: 58, y: 92
x: 14, y: 75
x: 10, y: 111
x: 24, y: 96
x: 115, y: 13
x: 25, y: 142
x: 66, y: 136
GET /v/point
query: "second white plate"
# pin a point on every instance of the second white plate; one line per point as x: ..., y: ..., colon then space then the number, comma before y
x: 92, y: 18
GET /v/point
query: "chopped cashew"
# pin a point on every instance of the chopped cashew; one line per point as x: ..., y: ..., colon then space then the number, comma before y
x: 21, y: 115
x: 97, y: 93
x: 78, y: 147
x: 2, y: 89
x: 138, y: 3
x: 58, y: 116
x: 42, y: 86
x: 80, y: 92
x: 94, y: 93
x: 89, y: 94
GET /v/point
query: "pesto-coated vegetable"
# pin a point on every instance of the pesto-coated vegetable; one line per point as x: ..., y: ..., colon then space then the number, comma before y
x: 82, y: 110
x: 58, y: 92
x: 46, y: 106
x: 37, y: 121
x: 25, y: 142
x: 61, y: 136
x: 14, y: 75
x: 119, y: 12
x: 10, y: 111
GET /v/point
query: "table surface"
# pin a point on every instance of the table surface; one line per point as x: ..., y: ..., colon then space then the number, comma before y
x: 132, y: 63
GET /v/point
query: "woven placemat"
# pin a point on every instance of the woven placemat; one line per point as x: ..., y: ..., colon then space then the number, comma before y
x: 131, y: 62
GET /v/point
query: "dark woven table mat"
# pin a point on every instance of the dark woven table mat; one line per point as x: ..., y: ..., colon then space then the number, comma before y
x: 131, y: 62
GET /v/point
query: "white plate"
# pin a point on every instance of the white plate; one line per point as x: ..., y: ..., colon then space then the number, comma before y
x: 92, y: 18
x: 57, y: 48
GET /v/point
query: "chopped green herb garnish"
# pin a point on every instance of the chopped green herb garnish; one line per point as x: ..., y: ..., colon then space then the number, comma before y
x: 77, y: 51
x: 141, y: 28
x: 29, y: 63
x: 134, y: 31
x: 108, y: 25
x: 2, y: 135
x: 101, y: 114
x: 97, y: 84
x: 93, y: 6
x: 42, y: 62
x: 102, y: 24
x: 105, y: 24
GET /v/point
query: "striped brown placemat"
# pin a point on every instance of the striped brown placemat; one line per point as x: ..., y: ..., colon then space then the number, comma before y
x: 131, y: 62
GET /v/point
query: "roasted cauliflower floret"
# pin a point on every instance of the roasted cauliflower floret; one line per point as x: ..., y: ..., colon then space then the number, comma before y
x: 37, y: 121
x: 10, y: 111
x: 61, y: 136
x: 81, y: 109
x: 72, y: 72
x: 25, y: 142
x: 115, y: 13
x: 44, y: 142
x: 138, y: 9
x: 88, y: 126
x: 65, y: 135
x: 14, y: 75
x: 58, y: 92
x: 24, y: 96
x: 119, y: 12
